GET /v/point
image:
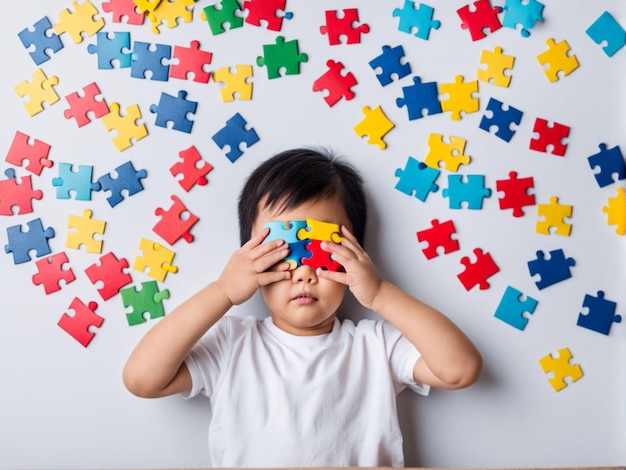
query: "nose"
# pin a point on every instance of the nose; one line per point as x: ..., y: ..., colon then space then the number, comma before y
x: 304, y: 274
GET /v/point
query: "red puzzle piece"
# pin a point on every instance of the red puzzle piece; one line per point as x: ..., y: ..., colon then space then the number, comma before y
x: 478, y: 272
x: 121, y: 9
x: 347, y: 26
x: 111, y: 273
x: 14, y: 194
x: 516, y: 193
x: 320, y: 258
x: 175, y: 222
x: 81, y: 106
x: 36, y: 153
x: 338, y: 85
x: 191, y: 60
x: 482, y: 16
x: 78, y: 325
x: 267, y: 11
x: 549, y: 136
x: 51, y: 272
x: 439, y: 235
x: 192, y: 172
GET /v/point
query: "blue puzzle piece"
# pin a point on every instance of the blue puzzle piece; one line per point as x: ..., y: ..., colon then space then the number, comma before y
x: 22, y: 243
x: 233, y: 135
x: 127, y: 180
x: 420, y: 97
x: 42, y: 41
x: 287, y: 231
x: 607, y: 29
x: 174, y: 109
x: 501, y: 118
x: 110, y: 47
x: 552, y: 270
x: 297, y: 251
x: 472, y: 191
x: 148, y: 59
x: 417, y: 179
x: 522, y: 12
x: 601, y: 314
x: 511, y: 308
x: 611, y: 162
x: 79, y: 182
x: 390, y: 64
x: 417, y: 21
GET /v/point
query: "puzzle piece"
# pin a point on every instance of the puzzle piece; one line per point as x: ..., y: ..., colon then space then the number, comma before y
x: 552, y: 270
x: 268, y: 12
x: 109, y: 272
x: 460, y: 97
x: 121, y: 10
x: 375, y: 125
x: 229, y: 12
x: 549, y: 136
x: 417, y: 179
x: 150, y: 58
x: 337, y: 84
x: 561, y: 368
x: 516, y: 193
x: 147, y: 6
x: 439, y: 235
x: 616, y: 211
x: 22, y: 243
x: 128, y: 127
x: 188, y: 167
x: 128, y: 180
x: 482, y: 16
x: 450, y: 153
x: 557, y: 59
x: 420, y: 99
x: 50, y: 273
x: 77, y: 182
x: 600, y: 314
x: 236, y: 84
x: 318, y: 230
x: 175, y: 110
x: 175, y: 222
x: 110, y: 48
x: 416, y: 21
x: 497, y: 63
x: 512, y: 307
x: 472, y: 191
x: 191, y: 60
x: 86, y: 229
x: 42, y: 42
x: 502, y: 116
x: 81, y: 19
x: 170, y: 12
x: 390, y: 63
x: 288, y: 231
x: 553, y: 214
x: 345, y: 26
x: 297, y: 251
x: 525, y: 13
x: 233, y: 135
x: 83, y: 319
x: 148, y: 300
x: 82, y: 106
x: 36, y: 153
x: 611, y: 162
x: 606, y: 30
x: 319, y: 257
x: 39, y: 90
x: 477, y: 273
x: 17, y: 195
x: 156, y: 258
x: 283, y: 56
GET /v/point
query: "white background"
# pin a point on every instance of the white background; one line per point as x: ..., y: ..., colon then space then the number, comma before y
x: 65, y: 406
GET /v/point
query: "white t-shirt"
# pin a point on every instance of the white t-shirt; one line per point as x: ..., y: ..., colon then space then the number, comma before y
x: 280, y: 400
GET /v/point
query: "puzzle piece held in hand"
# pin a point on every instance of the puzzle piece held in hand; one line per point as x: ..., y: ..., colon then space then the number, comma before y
x: 477, y: 273
x: 552, y: 270
x: 375, y: 125
x: 17, y: 195
x: 525, y: 13
x: 497, y: 63
x: 317, y: 230
x: 281, y: 56
x: 110, y: 274
x: 86, y: 229
x: 156, y: 259
x: 416, y: 21
x: 611, y: 162
x: 600, y: 314
x: 174, y: 109
x: 390, y: 63
x: 479, y: 18
x: 189, y: 167
x: 128, y: 180
x: 516, y: 193
x: 191, y: 60
x: 502, y: 117
x: 337, y: 84
x: 450, y: 153
x: 22, y: 243
x: 561, y: 368
x: 420, y: 99
x: 460, y: 98
x: 607, y: 29
x: 319, y: 257
x: 268, y: 12
x: 512, y: 307
x: 236, y: 84
x: 417, y: 179
x: 40, y: 91
x: 616, y: 211
x: 549, y: 136
x: 175, y: 222
x: 42, y: 43
x: 554, y: 215
x: 439, y: 235
x: 82, y: 106
x: 288, y: 231
x: 124, y: 11
x: 77, y: 182
x: 50, y: 273
x: 112, y: 48
x: 472, y: 191
x: 36, y: 153
x: 78, y: 325
x: 233, y: 135
x: 81, y: 19
x: 343, y: 25
x: 557, y: 59
x: 147, y: 300
x: 127, y: 126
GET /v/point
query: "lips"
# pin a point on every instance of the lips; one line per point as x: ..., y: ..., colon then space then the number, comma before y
x: 304, y: 299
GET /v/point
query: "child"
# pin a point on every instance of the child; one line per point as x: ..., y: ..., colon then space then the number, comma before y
x: 302, y: 388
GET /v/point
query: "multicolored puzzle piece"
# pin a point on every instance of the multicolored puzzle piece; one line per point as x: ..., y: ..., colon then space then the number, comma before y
x: 561, y: 368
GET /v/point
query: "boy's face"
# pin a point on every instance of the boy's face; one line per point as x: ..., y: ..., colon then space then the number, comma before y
x: 305, y: 304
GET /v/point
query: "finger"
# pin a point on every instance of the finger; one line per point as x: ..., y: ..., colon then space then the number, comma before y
x: 339, y: 277
x: 270, y: 277
x: 338, y: 252
x: 273, y: 258
x: 266, y: 248
x: 256, y: 240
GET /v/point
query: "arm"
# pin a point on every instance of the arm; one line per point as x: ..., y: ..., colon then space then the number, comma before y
x: 156, y: 367
x: 448, y: 358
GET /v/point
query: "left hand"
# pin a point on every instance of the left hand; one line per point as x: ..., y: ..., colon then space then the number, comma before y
x: 360, y: 274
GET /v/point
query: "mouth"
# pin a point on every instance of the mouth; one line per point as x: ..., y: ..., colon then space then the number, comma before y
x: 304, y: 299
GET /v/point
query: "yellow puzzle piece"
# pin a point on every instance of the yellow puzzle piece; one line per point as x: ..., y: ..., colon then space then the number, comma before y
x: 155, y: 257
x: 553, y: 215
x: 497, y: 64
x: 616, y: 211
x: 318, y: 230
x: 375, y: 126
x: 557, y: 59
x: 80, y: 20
x: 561, y: 369
x: 451, y: 154
x: 460, y: 97
x: 85, y: 229
x: 39, y: 91
x: 127, y: 126
x: 169, y: 12
x: 235, y: 83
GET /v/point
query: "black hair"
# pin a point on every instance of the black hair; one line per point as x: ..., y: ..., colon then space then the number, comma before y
x: 295, y: 176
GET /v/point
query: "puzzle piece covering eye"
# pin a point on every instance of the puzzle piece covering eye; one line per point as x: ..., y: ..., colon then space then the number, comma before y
x: 304, y: 238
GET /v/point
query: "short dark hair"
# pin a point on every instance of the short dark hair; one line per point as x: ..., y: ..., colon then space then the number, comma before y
x: 295, y: 176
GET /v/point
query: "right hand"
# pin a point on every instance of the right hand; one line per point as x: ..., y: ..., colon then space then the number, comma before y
x: 248, y: 268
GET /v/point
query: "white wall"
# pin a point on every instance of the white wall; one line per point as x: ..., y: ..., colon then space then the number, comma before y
x: 64, y: 406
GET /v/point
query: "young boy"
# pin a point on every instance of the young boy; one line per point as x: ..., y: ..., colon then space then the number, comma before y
x: 302, y: 388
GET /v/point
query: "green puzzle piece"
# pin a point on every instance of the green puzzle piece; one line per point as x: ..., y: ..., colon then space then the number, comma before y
x: 146, y: 300
x: 281, y: 55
